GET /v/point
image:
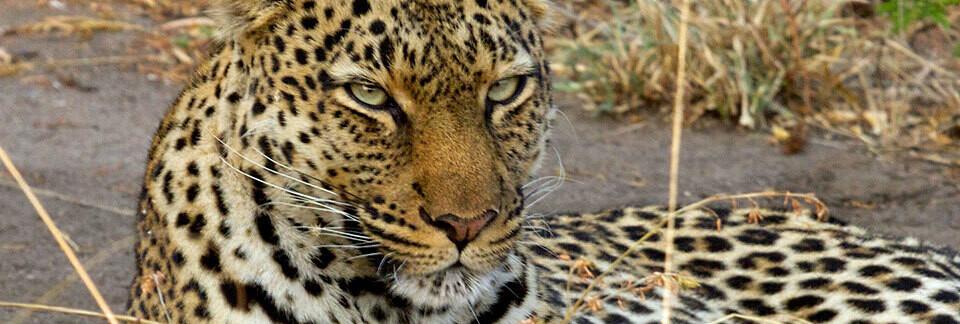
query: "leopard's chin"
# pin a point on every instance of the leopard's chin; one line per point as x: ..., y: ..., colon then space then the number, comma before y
x: 455, y: 286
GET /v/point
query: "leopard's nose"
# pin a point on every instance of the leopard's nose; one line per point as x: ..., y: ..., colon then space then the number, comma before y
x: 462, y: 230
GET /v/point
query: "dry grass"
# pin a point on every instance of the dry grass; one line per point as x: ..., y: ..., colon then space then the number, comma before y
x: 173, y: 39
x: 823, y: 63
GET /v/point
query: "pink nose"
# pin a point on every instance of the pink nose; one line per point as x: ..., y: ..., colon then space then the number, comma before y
x: 462, y: 230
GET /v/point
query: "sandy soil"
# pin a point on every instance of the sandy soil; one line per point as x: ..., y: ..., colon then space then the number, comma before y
x: 82, y: 141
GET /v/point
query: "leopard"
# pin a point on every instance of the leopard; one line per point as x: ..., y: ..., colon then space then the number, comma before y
x: 356, y: 161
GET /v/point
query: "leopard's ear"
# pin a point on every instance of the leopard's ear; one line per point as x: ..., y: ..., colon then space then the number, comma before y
x: 238, y: 17
x: 545, y: 14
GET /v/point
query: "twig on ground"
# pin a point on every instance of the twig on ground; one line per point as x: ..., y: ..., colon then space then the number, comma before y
x: 678, y: 105
x: 58, y: 236
x: 73, y: 311
x: 10, y: 69
x: 58, y: 289
x: 755, y: 319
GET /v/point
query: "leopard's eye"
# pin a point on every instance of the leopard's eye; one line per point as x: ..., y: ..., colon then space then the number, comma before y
x: 505, y: 90
x: 369, y: 95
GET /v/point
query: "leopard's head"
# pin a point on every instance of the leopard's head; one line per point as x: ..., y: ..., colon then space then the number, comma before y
x: 425, y: 117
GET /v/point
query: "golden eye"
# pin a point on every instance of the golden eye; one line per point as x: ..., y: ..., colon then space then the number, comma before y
x: 505, y: 89
x: 367, y: 94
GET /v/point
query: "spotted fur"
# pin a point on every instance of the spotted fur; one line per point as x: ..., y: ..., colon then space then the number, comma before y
x: 789, y: 267
x: 274, y: 194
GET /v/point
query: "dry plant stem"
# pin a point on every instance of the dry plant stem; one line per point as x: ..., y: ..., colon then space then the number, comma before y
x: 810, y: 198
x: 72, y: 311
x: 58, y: 236
x: 678, y: 104
x: 116, y: 248
x: 748, y: 318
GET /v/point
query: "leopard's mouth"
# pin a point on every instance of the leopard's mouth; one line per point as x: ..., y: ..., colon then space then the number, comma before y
x: 455, y: 284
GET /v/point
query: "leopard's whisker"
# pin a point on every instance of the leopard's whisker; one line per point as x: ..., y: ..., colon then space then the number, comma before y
x: 540, y: 245
x: 322, y: 207
x: 351, y: 235
x: 538, y: 180
x: 383, y: 260
x: 363, y: 256
x: 350, y: 246
x: 282, y: 189
x: 351, y: 238
x: 244, y: 157
x: 550, y: 186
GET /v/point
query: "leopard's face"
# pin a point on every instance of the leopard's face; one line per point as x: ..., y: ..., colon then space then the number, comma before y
x: 427, y: 117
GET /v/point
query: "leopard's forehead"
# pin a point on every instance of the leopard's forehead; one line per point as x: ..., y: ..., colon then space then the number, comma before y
x: 428, y: 49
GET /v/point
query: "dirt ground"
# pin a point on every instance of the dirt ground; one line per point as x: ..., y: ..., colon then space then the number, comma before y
x: 80, y: 136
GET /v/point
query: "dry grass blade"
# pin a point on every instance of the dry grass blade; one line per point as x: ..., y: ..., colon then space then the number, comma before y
x: 7, y: 69
x: 678, y: 105
x: 73, y: 25
x: 743, y: 317
x: 116, y: 248
x: 187, y: 23
x: 58, y: 236
x: 73, y: 311
x: 820, y: 210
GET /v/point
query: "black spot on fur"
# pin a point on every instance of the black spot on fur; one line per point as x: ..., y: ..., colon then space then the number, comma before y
x: 279, y: 44
x: 177, y: 258
x: 233, y: 98
x: 874, y: 270
x: 801, y: 302
x: 182, y: 220
x: 739, y: 282
x: 265, y: 227
x: 301, y: 56
x: 360, y: 7
x: 258, y: 108
x: 192, y: 192
x: 757, y: 307
x: 211, y: 259
x: 946, y: 297
x: 808, y: 245
x: 377, y: 27
x: 192, y: 169
x: 229, y: 291
x: 906, y: 284
x: 822, y: 316
x: 512, y: 293
x: 758, y: 237
x: 814, y: 283
x: 286, y: 265
x: 322, y: 258
x: 831, y: 264
x: 867, y: 305
x: 309, y: 22
x: 771, y: 287
x: 196, y: 227
x: 717, y: 244
x: 313, y: 287
x: 943, y: 319
x: 386, y: 52
x: 858, y: 288
x: 260, y: 297
x: 913, y: 307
